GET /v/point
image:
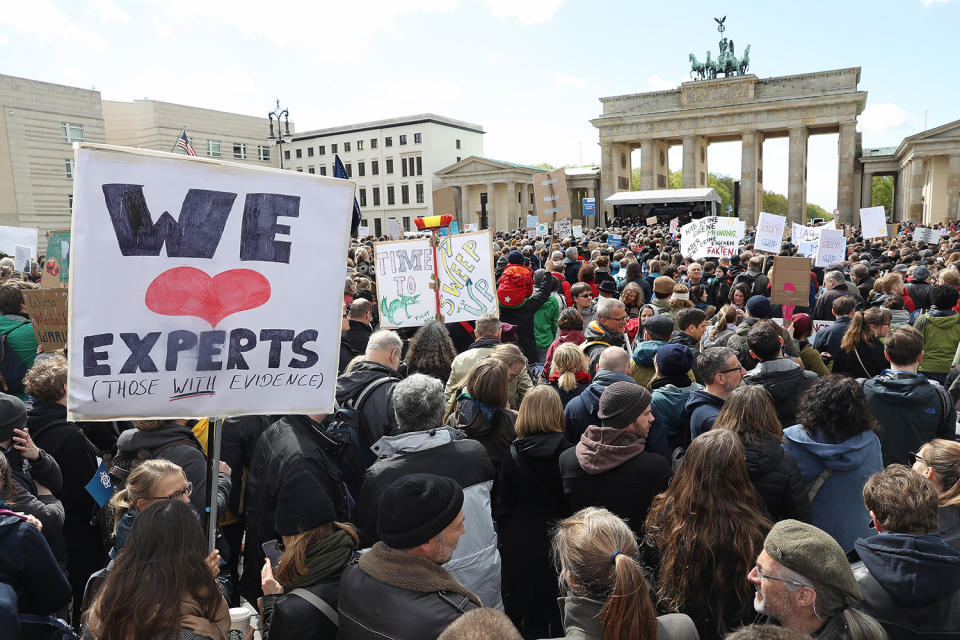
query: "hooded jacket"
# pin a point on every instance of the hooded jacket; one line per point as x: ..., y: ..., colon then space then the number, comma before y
x: 376, y: 418
x: 641, y: 364
x: 786, y: 381
x: 910, y: 584
x: 777, y: 479
x: 495, y: 432
x: 522, y: 318
x: 703, y: 408
x: 581, y: 412
x: 941, y: 335
x: 910, y: 410
x: 598, y: 338
x: 838, y: 506
x: 669, y: 409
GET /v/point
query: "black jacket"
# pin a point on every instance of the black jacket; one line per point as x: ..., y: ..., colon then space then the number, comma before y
x: 910, y: 584
x: 921, y: 293
x: 358, y: 335
x: 377, y: 418
x: 786, y: 382
x: 571, y: 270
x: 871, y: 353
x: 950, y: 526
x: 598, y: 338
x: 567, y: 396
x: 823, y: 309
x: 287, y: 616
x: 240, y: 436
x: 46, y: 508
x: 495, y: 434
x: 522, y: 318
x: 777, y: 479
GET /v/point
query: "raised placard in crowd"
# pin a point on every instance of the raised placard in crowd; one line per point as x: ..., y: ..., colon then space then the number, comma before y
x: 711, y: 236
x: 790, y: 283
x: 652, y: 220
x: 532, y: 222
x: 769, y: 232
x: 831, y: 248
x: 674, y: 225
x: 404, y: 270
x: 550, y: 195
x: 21, y: 258
x: 393, y: 229
x: 928, y: 235
x: 48, y: 313
x: 806, y: 239
x: 577, y: 230
x: 363, y: 232
x: 445, y: 202
x: 10, y: 237
x: 561, y: 228
x: 873, y: 222
x: 203, y: 288
x: 468, y: 288
x: 55, y: 270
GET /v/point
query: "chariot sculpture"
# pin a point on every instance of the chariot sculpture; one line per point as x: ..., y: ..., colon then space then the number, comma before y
x: 726, y: 64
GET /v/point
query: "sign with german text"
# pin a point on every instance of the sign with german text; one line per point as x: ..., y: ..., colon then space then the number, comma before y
x: 561, y: 228
x: 712, y: 236
x: 769, y: 232
x: 589, y: 206
x: 873, y: 222
x: 550, y: 195
x: 188, y: 288
x: 48, y: 313
x: 928, y: 235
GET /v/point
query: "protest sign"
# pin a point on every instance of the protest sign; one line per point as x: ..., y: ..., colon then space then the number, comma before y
x: 48, y: 313
x: 455, y: 228
x: 815, y: 326
x: 674, y: 225
x: 806, y: 239
x: 56, y: 262
x: 615, y: 240
x: 561, y: 228
x: 790, y: 283
x: 467, y: 286
x: 892, y: 229
x: 363, y: 232
x: 10, y: 237
x: 652, y: 220
x: 928, y: 235
x: 577, y: 230
x: 21, y: 258
x: 393, y: 229
x: 550, y: 195
x: 532, y: 222
x: 445, y: 202
x: 404, y: 270
x: 470, y: 227
x: 589, y: 206
x: 769, y: 232
x: 543, y: 229
x: 203, y: 288
x: 831, y: 248
x: 711, y: 236
x: 873, y: 222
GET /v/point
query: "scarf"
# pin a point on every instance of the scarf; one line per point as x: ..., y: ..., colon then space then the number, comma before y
x: 413, y: 573
x: 582, y: 376
x: 488, y: 410
x: 325, y: 558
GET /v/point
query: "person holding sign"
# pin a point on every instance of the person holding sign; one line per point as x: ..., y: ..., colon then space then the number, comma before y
x: 15, y: 326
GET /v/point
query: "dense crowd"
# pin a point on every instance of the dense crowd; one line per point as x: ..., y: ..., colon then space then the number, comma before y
x: 638, y: 445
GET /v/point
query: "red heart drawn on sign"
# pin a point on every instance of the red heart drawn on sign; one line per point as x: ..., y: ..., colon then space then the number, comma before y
x: 186, y: 291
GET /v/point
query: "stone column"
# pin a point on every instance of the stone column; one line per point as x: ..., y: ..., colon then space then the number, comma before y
x: 917, y: 169
x: 866, y: 190
x: 797, y: 176
x: 662, y: 164
x: 648, y: 168
x: 491, y: 206
x: 524, y: 203
x: 464, y: 205
x: 845, y: 170
x: 953, y: 187
x: 608, y: 179
x: 694, y: 162
x: 751, y: 176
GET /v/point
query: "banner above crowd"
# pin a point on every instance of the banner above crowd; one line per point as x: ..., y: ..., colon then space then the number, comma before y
x: 712, y: 236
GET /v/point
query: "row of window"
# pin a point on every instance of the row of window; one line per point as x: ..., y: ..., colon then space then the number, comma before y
x: 391, y: 195
x: 347, y: 146
x: 214, y: 150
x: 412, y: 166
x: 378, y: 225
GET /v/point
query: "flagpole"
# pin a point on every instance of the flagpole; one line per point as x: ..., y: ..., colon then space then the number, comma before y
x: 182, y: 131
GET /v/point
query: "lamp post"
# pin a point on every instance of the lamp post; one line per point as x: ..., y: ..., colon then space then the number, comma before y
x: 279, y: 139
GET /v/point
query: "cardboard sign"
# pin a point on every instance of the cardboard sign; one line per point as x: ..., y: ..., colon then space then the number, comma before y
x: 831, y: 248
x: 48, y: 313
x: 404, y: 270
x: 187, y: 287
x: 445, y: 202
x: 873, y: 223
x: 21, y: 259
x: 928, y: 235
x: 55, y: 270
x: 10, y: 237
x: 652, y: 220
x: 711, y: 236
x: 790, y: 283
x: 589, y: 206
x: 577, y: 231
x: 363, y: 232
x: 550, y: 195
x: 769, y: 232
x: 561, y: 228
x: 674, y: 225
x: 892, y: 229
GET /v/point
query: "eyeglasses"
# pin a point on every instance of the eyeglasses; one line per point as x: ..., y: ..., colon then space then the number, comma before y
x: 585, y: 295
x: 621, y: 319
x: 177, y: 495
x: 767, y: 576
x: 739, y: 367
x: 913, y: 457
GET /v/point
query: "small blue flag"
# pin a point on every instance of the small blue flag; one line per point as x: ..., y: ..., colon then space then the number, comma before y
x: 340, y: 172
x: 454, y: 228
x: 100, y: 486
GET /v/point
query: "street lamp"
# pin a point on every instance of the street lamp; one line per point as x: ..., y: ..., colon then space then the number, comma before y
x: 286, y: 137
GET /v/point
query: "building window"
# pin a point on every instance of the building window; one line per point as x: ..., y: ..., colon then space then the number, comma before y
x: 403, y: 139
x: 309, y: 152
x: 404, y: 194
x: 361, y: 169
x: 70, y: 202
x: 286, y: 154
x: 299, y: 153
x: 213, y: 148
x: 373, y: 143
x: 458, y: 143
x: 388, y: 141
x: 419, y: 166
x: 323, y: 170
x: 418, y: 138
x: 346, y: 147
x: 406, y: 223
x: 263, y: 153
x: 333, y: 148
x: 68, y: 164
x: 378, y: 226
x: 389, y: 165
x: 349, y: 169
x: 403, y: 167
x: 390, y: 197
x: 458, y: 158
x: 359, y: 145
x: 300, y: 169
x: 374, y: 167
x: 240, y: 150
x: 322, y: 150
x: 71, y: 133
x: 376, y: 196
x: 363, y: 197
x: 311, y: 170
x: 419, y: 193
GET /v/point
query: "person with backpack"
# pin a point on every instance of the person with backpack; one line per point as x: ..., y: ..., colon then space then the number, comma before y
x: 19, y: 342
x: 940, y: 327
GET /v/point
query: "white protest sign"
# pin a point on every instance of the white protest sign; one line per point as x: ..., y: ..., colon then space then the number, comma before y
x: 471, y: 226
x: 202, y: 288
x: 806, y: 239
x: 577, y: 230
x: 652, y: 220
x: 10, y: 237
x: 711, y: 236
x: 542, y: 229
x: 363, y: 232
x: 21, y: 258
x: 393, y: 229
x: 873, y: 222
x: 815, y: 325
x: 831, y: 248
x: 674, y: 225
x: 467, y: 286
x: 561, y: 228
x: 404, y: 270
x: 928, y: 235
x: 769, y: 232
x: 532, y: 222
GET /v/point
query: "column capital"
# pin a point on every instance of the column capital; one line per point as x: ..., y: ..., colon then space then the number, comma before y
x: 798, y: 129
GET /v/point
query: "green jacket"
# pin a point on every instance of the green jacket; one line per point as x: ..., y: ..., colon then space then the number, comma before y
x: 21, y: 339
x: 545, y: 322
x: 941, y: 334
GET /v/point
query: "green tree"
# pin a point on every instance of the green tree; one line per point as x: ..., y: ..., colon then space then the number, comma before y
x: 676, y: 180
x: 815, y: 211
x: 882, y: 190
x: 774, y: 203
x: 635, y: 180
x: 546, y: 166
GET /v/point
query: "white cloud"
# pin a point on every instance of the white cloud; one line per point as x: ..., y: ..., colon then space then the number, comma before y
x: 527, y: 11
x: 4, y: 39
x: 493, y: 55
x: 109, y: 12
x: 569, y: 81
x: 659, y: 84
x: 881, y: 118
x: 230, y: 89
x: 48, y: 24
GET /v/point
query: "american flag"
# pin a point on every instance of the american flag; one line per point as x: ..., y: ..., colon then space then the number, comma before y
x: 184, y: 143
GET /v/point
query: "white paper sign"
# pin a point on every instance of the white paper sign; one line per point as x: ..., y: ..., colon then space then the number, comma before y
x: 471, y: 226
x: 652, y: 220
x: 532, y: 222
x: 65, y: 249
x: 712, y: 236
x: 363, y: 232
x: 928, y: 235
x: 467, y: 286
x: 674, y: 225
x: 873, y: 222
x: 769, y: 232
x: 806, y: 239
x: 393, y: 229
x: 577, y: 231
x: 202, y: 288
x: 542, y: 229
x: 831, y: 248
x: 815, y: 325
x: 561, y: 228
x: 10, y: 237
x: 404, y: 271
x: 21, y: 258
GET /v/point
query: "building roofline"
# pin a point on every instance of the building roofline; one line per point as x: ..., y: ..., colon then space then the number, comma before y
x: 389, y: 122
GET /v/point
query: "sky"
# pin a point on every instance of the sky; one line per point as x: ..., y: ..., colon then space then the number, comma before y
x: 531, y: 72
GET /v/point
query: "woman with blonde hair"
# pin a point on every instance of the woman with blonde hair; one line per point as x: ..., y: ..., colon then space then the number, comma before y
x: 481, y: 409
x: 568, y: 372
x: 608, y: 598
x: 724, y: 327
x: 861, y: 350
x: 528, y: 499
x: 939, y: 462
x: 679, y: 300
x: 149, y: 482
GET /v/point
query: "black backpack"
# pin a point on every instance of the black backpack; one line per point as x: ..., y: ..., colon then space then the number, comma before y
x: 345, y: 421
x: 126, y: 461
x: 12, y: 368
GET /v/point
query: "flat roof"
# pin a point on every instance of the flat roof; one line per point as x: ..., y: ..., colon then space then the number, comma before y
x: 664, y: 196
x: 389, y: 122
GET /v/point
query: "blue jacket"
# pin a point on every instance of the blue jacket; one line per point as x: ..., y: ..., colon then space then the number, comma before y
x: 838, y: 506
x: 829, y: 339
x: 669, y: 409
x: 703, y: 408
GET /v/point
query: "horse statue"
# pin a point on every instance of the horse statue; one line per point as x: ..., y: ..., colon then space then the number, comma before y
x: 744, y: 61
x: 697, y: 69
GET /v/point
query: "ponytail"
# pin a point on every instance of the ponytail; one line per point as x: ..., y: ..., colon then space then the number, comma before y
x: 567, y: 381
x: 860, y: 332
x: 628, y: 613
x: 862, y: 626
x: 723, y: 319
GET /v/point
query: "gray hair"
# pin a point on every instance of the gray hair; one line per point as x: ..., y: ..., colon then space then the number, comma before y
x: 556, y: 256
x: 418, y: 402
x: 606, y: 306
x: 830, y: 602
x: 385, y: 341
x: 572, y: 253
x: 835, y: 277
x: 711, y: 361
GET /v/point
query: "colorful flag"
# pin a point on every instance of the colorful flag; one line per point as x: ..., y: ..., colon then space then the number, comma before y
x: 340, y: 172
x: 100, y: 486
x: 184, y: 143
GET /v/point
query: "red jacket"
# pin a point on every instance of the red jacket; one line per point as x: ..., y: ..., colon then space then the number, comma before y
x: 567, y: 335
x: 566, y: 287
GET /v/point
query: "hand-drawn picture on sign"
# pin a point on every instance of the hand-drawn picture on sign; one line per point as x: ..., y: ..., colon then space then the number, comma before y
x: 561, y: 228
x: 550, y: 195
x: 48, y: 313
x: 467, y: 286
x: 55, y: 270
x: 208, y: 264
x: 404, y: 271
x: 791, y: 281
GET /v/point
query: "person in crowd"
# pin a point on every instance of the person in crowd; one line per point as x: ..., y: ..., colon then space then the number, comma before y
x: 809, y: 356
x: 860, y: 274
x: 940, y: 327
x: 679, y: 299
x: 939, y: 462
x: 632, y: 299
x: 656, y: 333
x: 709, y: 502
x: 837, y: 449
x: 662, y: 290
x: 861, y: 350
x: 607, y: 289
x: 519, y: 380
x: 487, y: 333
x: 607, y: 594
x: 521, y: 314
x: 829, y: 338
x: 571, y: 265
x: 27, y: 565
x: 16, y: 326
x: 431, y: 351
x: 785, y: 380
x: 758, y: 309
x: 424, y: 445
x: 694, y: 276
x: 766, y: 632
x: 671, y: 388
x: 647, y: 311
x: 556, y: 270
x: 691, y: 325
x: 910, y: 408
x: 367, y: 387
x: 399, y: 588
x: 584, y: 301
x: 899, y: 315
x: 722, y: 373
x: 723, y: 329
x: 909, y: 578
x: 588, y: 275
x: 921, y: 291
x: 528, y: 499
x: 835, y: 286
x: 481, y: 410
x: 301, y: 593
x: 749, y: 412
x: 347, y: 350
x: 754, y: 277
x: 634, y: 275
x: 581, y: 411
x: 150, y: 481
x: 546, y: 318
x: 568, y: 375
x: 361, y: 328
x: 570, y: 324
x: 606, y: 331
x: 804, y: 582
x: 481, y: 624
x: 738, y: 296
x: 610, y: 465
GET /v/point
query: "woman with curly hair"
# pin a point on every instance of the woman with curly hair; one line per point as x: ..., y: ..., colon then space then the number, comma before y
x: 861, y: 351
x: 632, y: 299
x: 836, y: 449
x: 710, y: 505
x: 431, y: 351
x: 739, y: 294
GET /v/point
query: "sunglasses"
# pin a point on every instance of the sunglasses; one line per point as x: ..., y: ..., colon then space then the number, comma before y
x: 913, y: 457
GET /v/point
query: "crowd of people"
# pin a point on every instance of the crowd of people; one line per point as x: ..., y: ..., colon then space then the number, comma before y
x: 639, y: 445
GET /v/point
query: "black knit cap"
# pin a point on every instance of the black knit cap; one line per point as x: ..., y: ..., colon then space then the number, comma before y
x: 13, y: 415
x: 415, y: 508
x: 621, y: 403
x: 303, y: 504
